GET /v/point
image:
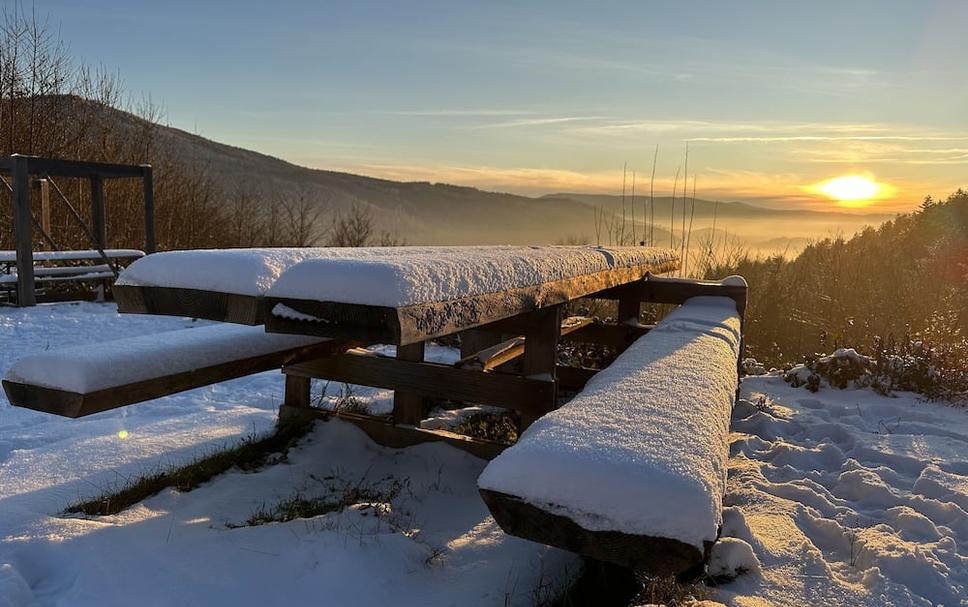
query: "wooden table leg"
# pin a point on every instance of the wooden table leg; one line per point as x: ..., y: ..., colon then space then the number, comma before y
x: 407, y: 406
x: 297, y: 398
x: 540, y: 352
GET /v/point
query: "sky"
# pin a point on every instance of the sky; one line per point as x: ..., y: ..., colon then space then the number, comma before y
x: 771, y: 98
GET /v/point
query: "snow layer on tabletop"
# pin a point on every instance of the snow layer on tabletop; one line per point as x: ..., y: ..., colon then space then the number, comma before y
x: 409, y: 275
x: 88, y: 368
x: 642, y: 449
x: 238, y: 271
x: 847, y: 498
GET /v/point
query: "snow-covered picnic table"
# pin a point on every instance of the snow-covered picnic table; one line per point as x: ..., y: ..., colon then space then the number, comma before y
x: 507, y: 305
x: 395, y: 295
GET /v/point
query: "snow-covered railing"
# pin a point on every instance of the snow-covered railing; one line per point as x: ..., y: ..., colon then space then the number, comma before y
x: 632, y: 470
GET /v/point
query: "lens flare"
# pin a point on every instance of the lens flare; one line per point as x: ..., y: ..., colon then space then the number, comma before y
x: 122, y: 434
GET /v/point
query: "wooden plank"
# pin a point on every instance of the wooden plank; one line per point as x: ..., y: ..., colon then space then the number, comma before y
x: 395, y: 436
x: 645, y: 554
x: 432, y: 380
x: 210, y: 305
x: 408, y: 406
x: 72, y: 404
x: 419, y: 322
x: 23, y: 230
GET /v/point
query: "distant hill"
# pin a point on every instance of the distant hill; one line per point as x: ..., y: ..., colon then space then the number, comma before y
x: 423, y: 212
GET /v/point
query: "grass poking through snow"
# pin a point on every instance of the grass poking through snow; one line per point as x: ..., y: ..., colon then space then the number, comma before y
x: 252, y: 453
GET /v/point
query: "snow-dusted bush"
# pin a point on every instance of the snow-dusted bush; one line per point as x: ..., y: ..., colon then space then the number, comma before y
x: 938, y: 374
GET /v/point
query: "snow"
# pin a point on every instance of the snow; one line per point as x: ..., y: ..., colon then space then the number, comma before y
x: 406, y: 276
x: 84, y: 369
x: 435, y: 544
x: 11, y: 256
x: 378, y: 275
x: 642, y: 449
x: 847, y: 497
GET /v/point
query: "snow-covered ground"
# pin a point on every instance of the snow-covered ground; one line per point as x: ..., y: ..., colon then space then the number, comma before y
x: 833, y: 498
x: 434, y: 545
x: 847, y: 498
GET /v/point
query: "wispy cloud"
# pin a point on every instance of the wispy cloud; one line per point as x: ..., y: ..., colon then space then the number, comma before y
x: 531, y: 122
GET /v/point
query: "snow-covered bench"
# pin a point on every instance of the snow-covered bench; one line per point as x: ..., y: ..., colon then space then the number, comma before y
x: 82, y: 380
x: 632, y: 470
x: 66, y: 266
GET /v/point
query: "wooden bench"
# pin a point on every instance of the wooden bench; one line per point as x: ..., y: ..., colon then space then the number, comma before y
x: 632, y: 470
x: 82, y: 380
x: 53, y: 267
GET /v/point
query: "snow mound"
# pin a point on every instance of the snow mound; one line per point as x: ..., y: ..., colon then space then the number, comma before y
x: 88, y: 368
x: 731, y: 557
x: 642, y: 449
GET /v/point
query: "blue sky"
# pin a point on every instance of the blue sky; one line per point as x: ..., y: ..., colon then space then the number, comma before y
x: 772, y: 97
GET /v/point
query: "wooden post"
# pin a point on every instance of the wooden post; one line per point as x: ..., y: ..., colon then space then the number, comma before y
x: 97, y: 212
x: 44, y: 186
x: 149, y: 195
x: 407, y: 406
x: 23, y: 230
x: 295, y: 405
x: 540, y: 352
x: 629, y: 309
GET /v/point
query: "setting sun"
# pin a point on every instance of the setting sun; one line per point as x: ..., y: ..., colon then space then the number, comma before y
x: 850, y: 190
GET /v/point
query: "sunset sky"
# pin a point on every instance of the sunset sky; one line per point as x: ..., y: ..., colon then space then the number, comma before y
x: 773, y: 98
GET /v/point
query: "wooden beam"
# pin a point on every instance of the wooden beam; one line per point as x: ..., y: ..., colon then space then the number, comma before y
x: 408, y: 406
x: 388, y: 434
x: 38, y: 165
x: 210, y: 305
x: 297, y: 391
x: 512, y: 349
x: 23, y: 230
x: 432, y: 380
x: 660, y: 289
x: 73, y: 404
x: 148, y: 191
x: 98, y: 225
x: 540, y: 355
x: 650, y: 555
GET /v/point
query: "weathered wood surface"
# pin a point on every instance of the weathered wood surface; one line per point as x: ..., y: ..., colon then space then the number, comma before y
x: 73, y: 404
x: 419, y: 322
x: 540, y: 356
x: 432, y: 380
x: 397, y: 436
x: 210, y: 305
x: 650, y: 555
